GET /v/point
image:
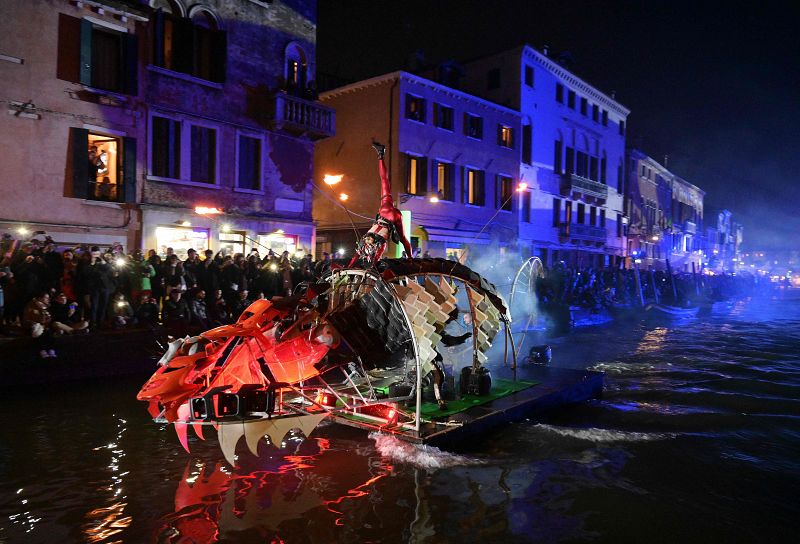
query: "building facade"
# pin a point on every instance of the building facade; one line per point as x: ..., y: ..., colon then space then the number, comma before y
x: 131, y: 115
x: 572, y: 148
x: 453, y: 160
x: 665, y: 215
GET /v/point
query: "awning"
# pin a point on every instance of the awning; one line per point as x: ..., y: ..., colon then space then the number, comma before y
x: 457, y: 236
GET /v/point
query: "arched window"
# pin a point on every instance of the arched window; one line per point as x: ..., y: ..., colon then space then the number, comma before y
x: 295, y: 67
x: 189, y: 42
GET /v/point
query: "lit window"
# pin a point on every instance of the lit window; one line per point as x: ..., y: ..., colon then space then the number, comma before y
x: 475, y: 189
x: 415, y: 108
x: 505, y: 136
x: 444, y: 180
x: 505, y: 193
x: 415, y: 180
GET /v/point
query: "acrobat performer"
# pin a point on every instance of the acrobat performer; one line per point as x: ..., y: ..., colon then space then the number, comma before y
x: 388, y: 223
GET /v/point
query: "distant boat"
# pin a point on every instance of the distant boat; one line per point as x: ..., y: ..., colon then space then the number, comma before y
x: 665, y: 310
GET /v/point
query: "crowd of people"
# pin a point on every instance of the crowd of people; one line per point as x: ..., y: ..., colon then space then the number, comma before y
x: 47, y: 292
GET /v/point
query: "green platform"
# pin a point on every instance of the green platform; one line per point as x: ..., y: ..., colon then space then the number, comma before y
x: 500, y: 388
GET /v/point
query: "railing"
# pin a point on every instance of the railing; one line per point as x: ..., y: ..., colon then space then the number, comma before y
x: 301, y: 116
x: 582, y: 232
x: 580, y: 184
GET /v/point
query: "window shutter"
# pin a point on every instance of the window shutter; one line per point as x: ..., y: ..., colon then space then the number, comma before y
x: 481, y: 200
x: 69, y: 51
x: 131, y: 64
x: 183, y: 45
x: 79, y: 140
x: 422, y: 189
x: 158, y: 37
x: 86, y: 53
x: 219, y: 54
x: 129, y: 168
x: 434, y: 177
x: 406, y: 173
x: 461, y: 184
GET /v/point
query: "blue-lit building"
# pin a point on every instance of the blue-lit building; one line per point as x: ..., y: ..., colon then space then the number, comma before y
x: 572, y: 150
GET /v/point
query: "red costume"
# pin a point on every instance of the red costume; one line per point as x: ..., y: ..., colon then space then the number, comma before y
x: 389, y: 221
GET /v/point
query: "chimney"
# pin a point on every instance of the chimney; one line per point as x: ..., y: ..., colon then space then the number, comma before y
x: 666, y: 161
x: 613, y: 95
x: 545, y: 50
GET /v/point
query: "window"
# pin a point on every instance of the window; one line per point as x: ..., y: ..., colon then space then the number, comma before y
x: 567, y: 213
x: 582, y: 165
x: 444, y: 181
x: 525, y: 204
x: 556, y: 212
x: 193, y: 46
x: 415, y: 108
x: 505, y: 136
x: 443, y: 116
x: 493, y: 79
x: 584, y: 106
x: 473, y: 126
x: 249, y: 163
x: 203, y: 154
x: 603, y: 170
x: 622, y: 128
x: 603, y: 218
x: 605, y: 118
x: 527, y: 144
x: 103, y: 166
x: 619, y: 225
x: 559, y: 93
x: 620, y: 179
x: 595, y: 113
x: 570, y: 160
x: 593, y: 169
x: 96, y: 56
x: 166, y: 148
x: 528, y: 76
x: 296, y: 65
x: 592, y: 216
x: 571, y: 100
x: 581, y: 212
x: 557, y: 162
x: 416, y: 175
x: 475, y: 192
x: 644, y: 171
x: 505, y: 193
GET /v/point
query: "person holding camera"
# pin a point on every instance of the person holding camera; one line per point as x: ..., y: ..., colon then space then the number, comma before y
x: 65, y: 316
x: 36, y: 317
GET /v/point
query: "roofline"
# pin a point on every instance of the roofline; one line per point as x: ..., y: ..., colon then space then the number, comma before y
x: 642, y: 154
x: 565, y: 74
x: 400, y: 74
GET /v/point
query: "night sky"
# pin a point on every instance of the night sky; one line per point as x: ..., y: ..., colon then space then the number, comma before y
x: 717, y: 90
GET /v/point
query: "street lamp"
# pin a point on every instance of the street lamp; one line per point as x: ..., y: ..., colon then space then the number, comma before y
x: 332, y: 179
x: 343, y: 197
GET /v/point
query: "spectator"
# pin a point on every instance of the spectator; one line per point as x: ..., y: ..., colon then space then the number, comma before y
x: 65, y: 317
x: 5, y: 277
x: 218, y: 309
x: 120, y: 312
x: 197, y: 307
x: 190, y: 268
x: 173, y: 275
x: 285, y: 269
x: 323, y: 266
x: 147, y: 312
x: 239, y: 305
x: 176, y: 315
x: 141, y: 273
x: 231, y: 279
x: 36, y: 318
x: 101, y: 285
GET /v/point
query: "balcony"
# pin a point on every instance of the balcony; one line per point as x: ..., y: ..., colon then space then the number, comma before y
x: 587, y: 233
x: 579, y: 184
x: 302, y: 117
x: 689, y: 227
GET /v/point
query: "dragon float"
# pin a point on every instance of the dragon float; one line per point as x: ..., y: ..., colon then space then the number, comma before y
x: 359, y: 346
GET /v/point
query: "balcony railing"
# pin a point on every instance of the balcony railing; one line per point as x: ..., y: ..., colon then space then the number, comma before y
x: 582, y: 232
x: 303, y: 117
x: 580, y: 184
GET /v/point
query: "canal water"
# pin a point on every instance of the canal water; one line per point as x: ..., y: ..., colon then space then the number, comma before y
x: 696, y: 439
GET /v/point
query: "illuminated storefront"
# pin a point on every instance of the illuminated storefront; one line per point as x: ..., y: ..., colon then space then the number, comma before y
x: 181, y: 240
x: 232, y: 242
x: 278, y: 242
